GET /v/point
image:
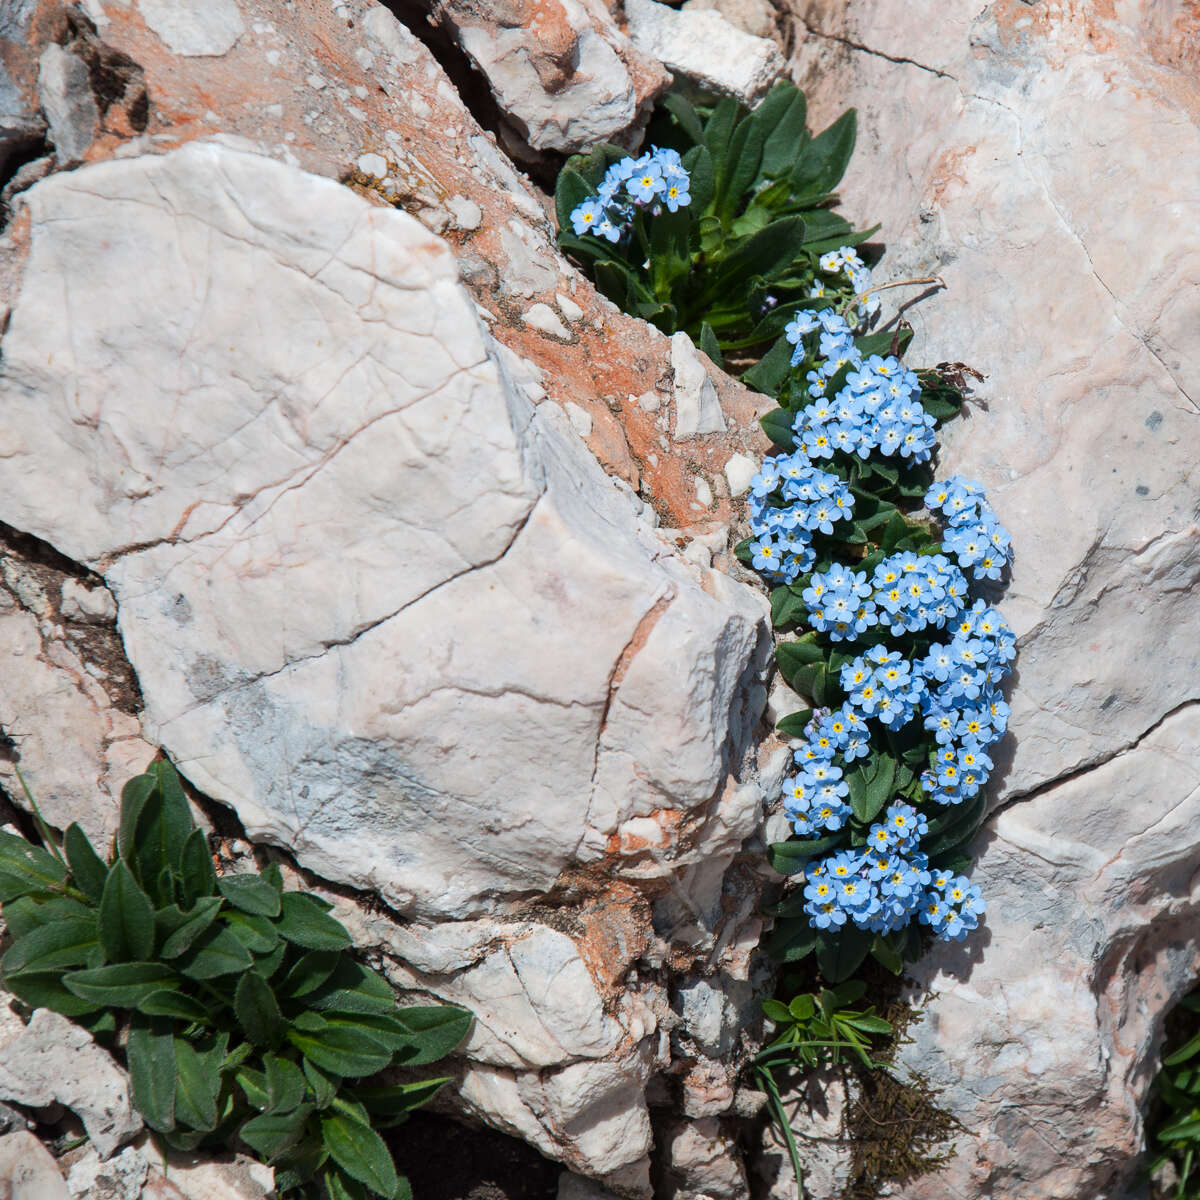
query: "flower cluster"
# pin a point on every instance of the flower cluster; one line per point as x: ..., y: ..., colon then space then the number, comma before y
x: 973, y: 535
x: 881, y: 887
x: 878, y: 406
x: 906, y: 593
x: 844, y: 262
x: 656, y: 180
x: 790, y: 501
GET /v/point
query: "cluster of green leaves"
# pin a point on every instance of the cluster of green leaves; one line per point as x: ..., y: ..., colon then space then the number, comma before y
x: 734, y: 266
x: 1177, y: 1088
x: 814, y: 1029
x: 241, y: 1011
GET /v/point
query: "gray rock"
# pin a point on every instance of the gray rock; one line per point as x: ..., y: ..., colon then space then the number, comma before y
x: 704, y: 48
x: 28, y: 1170
x: 65, y: 93
x: 198, y: 30
x: 54, y: 1060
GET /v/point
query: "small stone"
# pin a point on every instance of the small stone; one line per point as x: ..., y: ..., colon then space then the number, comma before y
x: 697, y: 409
x: 581, y: 420
x: 28, y: 1170
x: 703, y: 491
x: 197, y: 30
x: 568, y: 307
x: 374, y: 165
x: 82, y: 603
x: 649, y: 402
x: 542, y: 317
x: 467, y: 214
x: 739, y: 472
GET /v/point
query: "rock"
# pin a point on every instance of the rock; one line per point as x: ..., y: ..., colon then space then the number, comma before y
x: 28, y: 1170
x: 697, y: 409
x: 121, y: 1177
x: 703, y: 1163
x: 68, y: 706
x: 559, y: 69
x: 345, y: 785
x: 207, y: 29
x: 1078, y: 307
x: 66, y: 98
x: 701, y: 46
x: 755, y: 17
x: 576, y: 1187
x: 54, y: 1060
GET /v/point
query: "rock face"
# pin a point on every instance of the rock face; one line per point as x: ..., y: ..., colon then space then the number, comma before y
x: 1016, y: 151
x: 371, y: 496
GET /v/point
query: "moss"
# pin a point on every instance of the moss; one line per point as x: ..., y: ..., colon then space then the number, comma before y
x: 896, y: 1130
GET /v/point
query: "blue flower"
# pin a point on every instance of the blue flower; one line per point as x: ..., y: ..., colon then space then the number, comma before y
x: 646, y: 182
x: 586, y: 215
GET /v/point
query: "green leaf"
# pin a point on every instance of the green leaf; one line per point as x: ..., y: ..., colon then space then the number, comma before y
x: 25, y: 868
x: 120, y: 985
x: 341, y: 1187
x: 196, y: 868
x: 272, y: 1133
x: 777, y: 1012
x: 87, y: 868
x: 324, y: 1088
x: 783, y: 111
x: 570, y: 191
x: 393, y: 1101
x: 794, y: 723
x: 267, y: 964
x: 802, y: 1007
x: 745, y: 155
x: 70, y: 943
x: 337, y: 1050
x: 172, y: 1003
x: 787, y: 604
x: 841, y: 956
x: 310, y: 972
x: 257, y: 934
x: 685, y: 114
x: 134, y: 797
x: 434, y: 1031
x: 718, y: 130
x: 886, y: 954
x: 218, y: 953
x: 254, y: 1086
x: 150, y: 1057
x: 766, y: 253
x: 871, y: 786
x: 354, y: 988
x: 360, y: 1152
x: 251, y: 894
x: 709, y: 344
x: 768, y: 374
x: 196, y: 1089
x: 777, y: 425
x: 257, y: 1010
x: 304, y: 923
x: 790, y: 858
x: 126, y: 917
x: 47, y: 990
x: 823, y: 161
x: 792, y: 939
x: 273, y: 875
x: 699, y: 164
x: 1181, y: 1055
x: 866, y: 1023
x: 285, y: 1083
x: 182, y: 928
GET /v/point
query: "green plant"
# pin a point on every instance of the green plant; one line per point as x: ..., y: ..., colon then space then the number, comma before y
x: 814, y: 1029
x: 733, y: 265
x: 1177, y: 1087
x: 241, y: 1012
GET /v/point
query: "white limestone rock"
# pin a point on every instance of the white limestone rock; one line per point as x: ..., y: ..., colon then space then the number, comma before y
x: 700, y: 45
x: 414, y: 630
x: 28, y: 1170
x: 697, y: 409
x: 560, y: 69
x: 55, y: 1060
x: 202, y: 30
x: 65, y: 94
